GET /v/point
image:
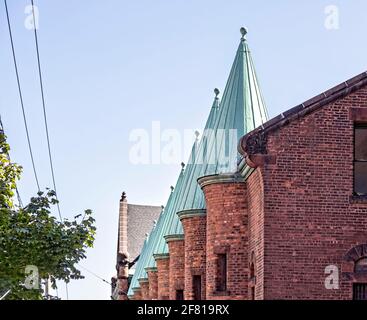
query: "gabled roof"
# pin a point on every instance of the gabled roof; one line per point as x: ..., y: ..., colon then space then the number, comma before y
x: 340, y: 91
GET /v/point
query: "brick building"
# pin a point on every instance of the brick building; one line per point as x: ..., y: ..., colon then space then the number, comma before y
x: 283, y: 216
x: 135, y: 222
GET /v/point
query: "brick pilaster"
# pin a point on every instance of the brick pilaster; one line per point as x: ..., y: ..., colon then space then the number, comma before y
x: 163, y: 261
x: 227, y: 234
x: 144, y: 285
x: 194, y: 225
x: 153, y: 283
x: 177, y: 264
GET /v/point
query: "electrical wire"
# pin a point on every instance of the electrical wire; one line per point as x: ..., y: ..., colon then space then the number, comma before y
x: 44, y: 110
x: 21, y: 95
x: 94, y: 274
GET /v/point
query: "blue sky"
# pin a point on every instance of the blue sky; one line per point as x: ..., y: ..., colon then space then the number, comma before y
x: 113, y: 66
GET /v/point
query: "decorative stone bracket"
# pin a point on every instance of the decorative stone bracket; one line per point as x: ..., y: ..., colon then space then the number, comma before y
x: 253, y: 147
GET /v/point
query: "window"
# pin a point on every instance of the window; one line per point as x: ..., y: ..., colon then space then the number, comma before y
x: 360, y: 160
x: 222, y: 272
x: 359, y: 291
x: 361, y: 265
x: 252, y: 271
x: 196, y: 283
x: 179, y: 294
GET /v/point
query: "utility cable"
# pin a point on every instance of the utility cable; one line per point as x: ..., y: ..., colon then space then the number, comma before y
x: 21, y: 95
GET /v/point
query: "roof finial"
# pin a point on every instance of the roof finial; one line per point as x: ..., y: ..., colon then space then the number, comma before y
x: 243, y: 31
x: 172, y: 188
x: 162, y: 207
x: 123, y: 197
x: 197, y: 134
x: 216, y: 92
x: 183, y: 165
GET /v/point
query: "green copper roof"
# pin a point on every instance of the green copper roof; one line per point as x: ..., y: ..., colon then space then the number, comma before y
x: 150, y: 262
x: 241, y: 110
x: 139, y: 265
x: 171, y: 218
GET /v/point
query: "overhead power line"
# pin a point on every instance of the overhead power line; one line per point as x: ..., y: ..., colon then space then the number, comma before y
x: 21, y: 95
x: 94, y: 274
x: 44, y: 109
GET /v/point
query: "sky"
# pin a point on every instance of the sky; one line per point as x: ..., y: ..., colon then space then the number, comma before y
x: 113, y: 66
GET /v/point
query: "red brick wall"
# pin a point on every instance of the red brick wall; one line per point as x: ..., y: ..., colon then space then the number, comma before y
x: 176, y: 267
x: 153, y: 285
x: 255, y: 196
x: 144, y: 285
x: 137, y: 295
x: 195, y: 254
x: 310, y: 222
x: 227, y: 232
x: 163, y: 278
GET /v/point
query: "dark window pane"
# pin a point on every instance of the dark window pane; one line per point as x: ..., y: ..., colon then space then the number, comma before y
x: 222, y: 272
x: 197, y: 287
x: 360, y: 178
x: 361, y: 144
x: 179, y: 295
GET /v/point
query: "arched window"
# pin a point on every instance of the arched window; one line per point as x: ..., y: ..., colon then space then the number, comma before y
x: 361, y: 265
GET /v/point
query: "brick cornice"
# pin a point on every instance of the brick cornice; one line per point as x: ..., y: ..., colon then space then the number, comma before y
x: 184, y: 214
x: 174, y: 237
x: 220, y: 178
x: 136, y: 289
x: 161, y: 256
x: 151, y: 269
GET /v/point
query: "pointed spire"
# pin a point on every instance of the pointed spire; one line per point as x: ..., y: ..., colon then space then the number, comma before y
x: 171, y: 220
x: 240, y: 110
x: 243, y: 31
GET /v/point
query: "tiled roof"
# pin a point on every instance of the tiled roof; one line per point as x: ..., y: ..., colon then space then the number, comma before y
x: 140, y: 221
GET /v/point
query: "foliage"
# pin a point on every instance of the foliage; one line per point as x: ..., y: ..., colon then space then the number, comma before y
x: 33, y: 236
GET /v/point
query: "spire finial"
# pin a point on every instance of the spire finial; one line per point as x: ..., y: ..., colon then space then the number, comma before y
x: 216, y: 92
x: 243, y: 31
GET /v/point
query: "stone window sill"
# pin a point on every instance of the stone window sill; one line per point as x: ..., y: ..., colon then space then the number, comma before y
x: 355, y: 199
